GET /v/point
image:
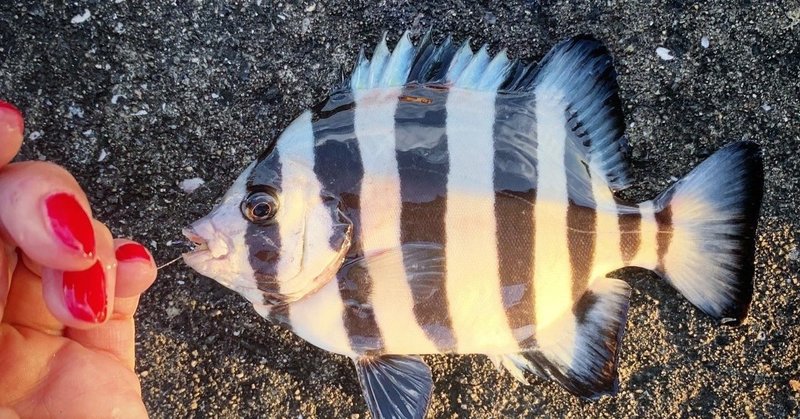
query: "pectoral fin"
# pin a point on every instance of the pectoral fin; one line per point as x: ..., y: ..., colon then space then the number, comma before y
x: 395, y: 386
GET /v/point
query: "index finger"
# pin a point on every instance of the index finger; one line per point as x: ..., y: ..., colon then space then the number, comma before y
x: 11, y: 129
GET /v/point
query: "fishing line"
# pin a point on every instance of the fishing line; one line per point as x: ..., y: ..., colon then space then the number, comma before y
x: 169, y: 263
x: 184, y: 243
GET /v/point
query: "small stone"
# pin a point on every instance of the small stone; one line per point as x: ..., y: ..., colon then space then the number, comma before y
x: 173, y: 311
x: 795, y: 385
x: 78, y: 19
x: 704, y: 42
x: 664, y: 54
x: 75, y: 110
x: 191, y: 185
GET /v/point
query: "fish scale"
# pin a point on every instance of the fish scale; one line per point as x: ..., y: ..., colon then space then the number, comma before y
x: 450, y: 201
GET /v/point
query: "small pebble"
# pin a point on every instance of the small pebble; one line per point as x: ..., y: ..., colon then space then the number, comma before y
x: 795, y: 385
x: 78, y: 19
x: 191, y: 185
x: 664, y: 54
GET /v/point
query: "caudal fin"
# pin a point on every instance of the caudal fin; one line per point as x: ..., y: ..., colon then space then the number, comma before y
x: 707, y: 229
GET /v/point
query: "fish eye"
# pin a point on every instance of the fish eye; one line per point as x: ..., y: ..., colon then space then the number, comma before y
x: 260, y: 207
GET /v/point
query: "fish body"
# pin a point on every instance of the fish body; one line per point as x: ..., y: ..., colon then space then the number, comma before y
x: 445, y: 201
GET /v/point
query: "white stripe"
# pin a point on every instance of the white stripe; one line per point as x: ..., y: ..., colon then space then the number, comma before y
x: 647, y: 255
x: 234, y: 272
x: 318, y: 318
x: 305, y: 228
x: 473, y: 287
x: 555, y: 323
x: 304, y: 222
x: 392, y: 301
x: 607, y: 256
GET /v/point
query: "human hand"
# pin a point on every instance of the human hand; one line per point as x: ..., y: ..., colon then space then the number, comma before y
x: 68, y: 292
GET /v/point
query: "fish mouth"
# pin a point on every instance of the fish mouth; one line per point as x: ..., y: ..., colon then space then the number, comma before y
x: 199, y: 242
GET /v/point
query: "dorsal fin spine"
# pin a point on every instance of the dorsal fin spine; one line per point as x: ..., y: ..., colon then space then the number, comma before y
x: 378, y: 63
x: 399, y: 62
x: 361, y: 72
x: 496, y: 72
x: 469, y: 78
x: 460, y: 61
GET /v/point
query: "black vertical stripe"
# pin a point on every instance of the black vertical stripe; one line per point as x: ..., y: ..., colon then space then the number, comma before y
x: 581, y: 207
x: 279, y: 314
x: 339, y: 169
x: 423, y: 166
x: 264, y: 242
x: 663, y: 236
x: 515, y: 176
x: 581, y: 216
x: 630, y: 225
x: 581, y: 242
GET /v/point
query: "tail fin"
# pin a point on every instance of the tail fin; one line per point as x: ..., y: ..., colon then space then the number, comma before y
x: 707, y: 229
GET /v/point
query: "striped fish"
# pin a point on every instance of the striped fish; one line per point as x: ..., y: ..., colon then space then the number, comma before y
x: 449, y: 201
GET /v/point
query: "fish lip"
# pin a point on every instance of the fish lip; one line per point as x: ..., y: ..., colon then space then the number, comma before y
x: 200, y: 243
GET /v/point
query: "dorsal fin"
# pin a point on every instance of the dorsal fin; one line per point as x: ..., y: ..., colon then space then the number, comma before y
x: 428, y: 63
x: 580, y: 69
x: 579, y: 73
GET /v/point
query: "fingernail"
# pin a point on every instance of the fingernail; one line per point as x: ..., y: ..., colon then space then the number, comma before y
x: 85, y: 294
x: 70, y: 223
x: 132, y: 251
x: 16, y: 115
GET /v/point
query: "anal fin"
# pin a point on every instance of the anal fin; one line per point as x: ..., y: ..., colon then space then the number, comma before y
x: 395, y: 386
x: 600, y: 315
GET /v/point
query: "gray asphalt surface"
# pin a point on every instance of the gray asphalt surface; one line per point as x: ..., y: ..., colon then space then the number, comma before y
x: 143, y: 94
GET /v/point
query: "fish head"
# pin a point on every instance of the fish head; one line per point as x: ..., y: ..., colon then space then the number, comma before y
x: 275, y: 236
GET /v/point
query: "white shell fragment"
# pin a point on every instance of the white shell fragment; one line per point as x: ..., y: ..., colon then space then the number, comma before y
x: 78, y: 19
x: 190, y: 185
x: 664, y: 54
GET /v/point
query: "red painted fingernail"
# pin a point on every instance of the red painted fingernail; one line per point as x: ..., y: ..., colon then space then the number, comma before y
x: 16, y: 115
x: 85, y: 294
x: 131, y: 251
x: 70, y: 223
